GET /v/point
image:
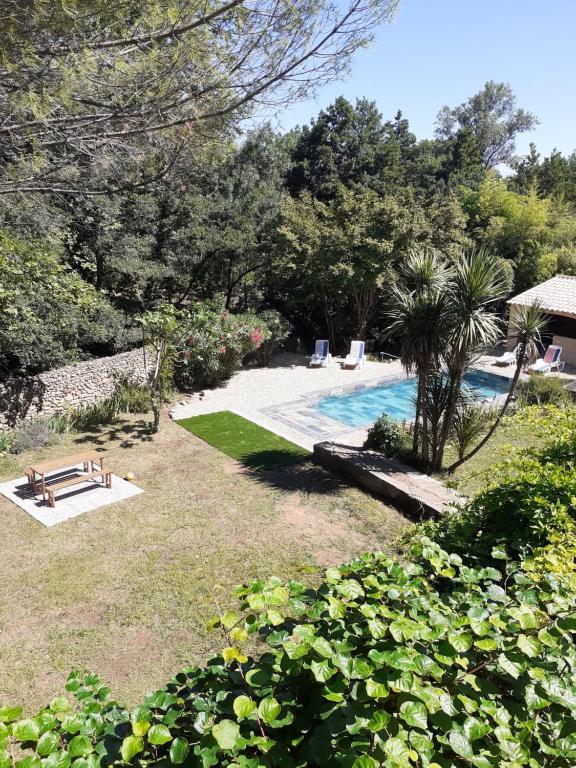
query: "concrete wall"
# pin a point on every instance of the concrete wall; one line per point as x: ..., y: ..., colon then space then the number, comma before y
x: 568, y: 349
x: 65, y: 388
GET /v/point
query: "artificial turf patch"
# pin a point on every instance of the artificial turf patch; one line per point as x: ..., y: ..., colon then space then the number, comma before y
x: 245, y: 441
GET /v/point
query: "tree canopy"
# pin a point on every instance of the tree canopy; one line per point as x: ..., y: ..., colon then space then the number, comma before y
x: 125, y: 86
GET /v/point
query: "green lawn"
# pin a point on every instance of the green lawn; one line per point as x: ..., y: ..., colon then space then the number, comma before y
x: 245, y: 441
x: 127, y: 590
x: 513, y: 435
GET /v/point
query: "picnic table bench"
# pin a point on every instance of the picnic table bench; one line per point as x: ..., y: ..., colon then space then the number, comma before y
x: 93, y: 464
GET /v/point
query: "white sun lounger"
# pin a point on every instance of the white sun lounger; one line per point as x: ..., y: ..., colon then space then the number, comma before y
x: 356, y: 358
x: 550, y: 360
x: 321, y: 356
x: 508, y: 358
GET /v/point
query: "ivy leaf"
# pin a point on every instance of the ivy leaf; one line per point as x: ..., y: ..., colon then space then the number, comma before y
x: 486, y: 644
x: 529, y: 645
x: 475, y: 729
x: 414, y: 713
x: 159, y: 735
x: 376, y: 690
x: 275, y: 617
x: 350, y: 588
x: 534, y: 700
x: 323, y: 647
x: 398, y: 752
x: 57, y: 759
x: 8, y: 714
x: 179, y: 750
x: 228, y: 619
x: 80, y: 746
x: 322, y: 670
x: 140, y: 727
x: 31, y: 761
x: 269, y: 709
x: 460, y: 744
x: 26, y: 730
x: 364, y: 761
x: 131, y: 746
x: 499, y: 553
x: 226, y: 733
x: 234, y: 654
x: 460, y: 641
x: 513, y: 668
x: 243, y: 707
x: 47, y: 743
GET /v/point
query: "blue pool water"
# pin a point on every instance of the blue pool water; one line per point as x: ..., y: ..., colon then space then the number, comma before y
x: 396, y: 398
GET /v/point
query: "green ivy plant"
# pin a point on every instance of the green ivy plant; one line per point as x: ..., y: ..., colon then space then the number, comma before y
x: 384, y: 664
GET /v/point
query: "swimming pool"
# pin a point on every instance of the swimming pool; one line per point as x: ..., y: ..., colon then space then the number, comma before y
x: 396, y: 398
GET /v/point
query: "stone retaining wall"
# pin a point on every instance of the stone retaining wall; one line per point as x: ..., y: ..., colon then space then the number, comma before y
x: 63, y: 388
x: 419, y: 495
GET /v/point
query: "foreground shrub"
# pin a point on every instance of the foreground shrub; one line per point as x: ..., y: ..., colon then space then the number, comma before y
x: 388, y: 437
x: 543, y: 390
x: 382, y: 665
x: 530, y: 505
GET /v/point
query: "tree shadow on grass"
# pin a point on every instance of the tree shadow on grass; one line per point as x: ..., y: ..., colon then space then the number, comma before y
x: 271, y: 459
x: 128, y: 434
x: 295, y: 475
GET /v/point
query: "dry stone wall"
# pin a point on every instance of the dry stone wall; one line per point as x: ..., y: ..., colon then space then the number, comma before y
x: 64, y: 388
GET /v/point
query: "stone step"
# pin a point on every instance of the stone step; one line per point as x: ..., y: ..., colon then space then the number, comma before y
x: 388, y: 479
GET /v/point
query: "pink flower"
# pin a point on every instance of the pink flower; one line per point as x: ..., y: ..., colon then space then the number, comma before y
x: 256, y: 338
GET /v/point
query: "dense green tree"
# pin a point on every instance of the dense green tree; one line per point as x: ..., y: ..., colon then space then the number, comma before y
x: 47, y: 312
x: 463, y: 159
x: 515, y: 226
x: 557, y: 176
x: 346, y: 145
x: 334, y: 258
x: 201, y: 229
x: 527, y: 171
x: 494, y: 120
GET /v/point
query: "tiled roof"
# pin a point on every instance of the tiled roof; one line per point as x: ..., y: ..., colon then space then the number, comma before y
x: 555, y: 295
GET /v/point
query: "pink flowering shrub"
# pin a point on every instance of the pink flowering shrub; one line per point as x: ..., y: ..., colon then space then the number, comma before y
x: 216, y: 344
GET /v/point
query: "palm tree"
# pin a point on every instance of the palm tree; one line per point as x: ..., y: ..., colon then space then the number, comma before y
x: 476, y: 285
x: 417, y: 310
x: 527, y: 324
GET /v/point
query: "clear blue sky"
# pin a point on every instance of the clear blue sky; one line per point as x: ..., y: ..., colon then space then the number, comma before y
x: 439, y: 52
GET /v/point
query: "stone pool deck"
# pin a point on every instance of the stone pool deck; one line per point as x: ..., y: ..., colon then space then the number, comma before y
x: 280, y: 397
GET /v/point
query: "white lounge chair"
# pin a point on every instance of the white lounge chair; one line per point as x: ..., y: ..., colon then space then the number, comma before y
x: 321, y: 357
x: 550, y: 360
x: 508, y: 358
x: 355, y: 358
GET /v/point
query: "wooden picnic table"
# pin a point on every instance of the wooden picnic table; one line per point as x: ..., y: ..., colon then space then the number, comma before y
x: 38, y: 472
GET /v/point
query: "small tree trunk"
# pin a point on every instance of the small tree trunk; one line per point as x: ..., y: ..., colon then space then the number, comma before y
x: 422, y: 393
x: 488, y: 435
x: 453, y: 396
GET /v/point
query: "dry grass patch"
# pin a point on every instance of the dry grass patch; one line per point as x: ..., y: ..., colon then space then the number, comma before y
x: 126, y: 590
